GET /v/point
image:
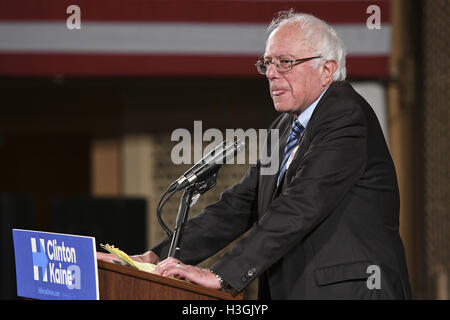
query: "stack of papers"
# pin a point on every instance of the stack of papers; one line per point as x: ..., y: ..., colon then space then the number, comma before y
x: 143, y: 266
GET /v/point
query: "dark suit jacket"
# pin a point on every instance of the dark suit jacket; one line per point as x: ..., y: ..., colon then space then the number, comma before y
x: 334, y: 214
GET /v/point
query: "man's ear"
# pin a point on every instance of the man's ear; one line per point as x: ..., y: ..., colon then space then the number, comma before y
x: 328, y: 70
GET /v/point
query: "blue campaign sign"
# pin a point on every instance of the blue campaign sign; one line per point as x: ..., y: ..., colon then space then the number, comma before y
x: 55, y: 266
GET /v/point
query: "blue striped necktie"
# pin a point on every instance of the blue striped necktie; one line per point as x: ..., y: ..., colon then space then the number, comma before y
x: 295, y: 135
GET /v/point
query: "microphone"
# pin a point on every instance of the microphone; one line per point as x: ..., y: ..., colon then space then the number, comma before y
x: 202, y: 161
x: 209, y: 163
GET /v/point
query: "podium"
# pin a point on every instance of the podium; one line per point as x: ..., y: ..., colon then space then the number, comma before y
x: 118, y: 282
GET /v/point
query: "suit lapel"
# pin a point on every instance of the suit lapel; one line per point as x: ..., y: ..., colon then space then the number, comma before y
x: 303, y: 145
x: 268, y: 182
x: 281, y: 145
x: 298, y: 155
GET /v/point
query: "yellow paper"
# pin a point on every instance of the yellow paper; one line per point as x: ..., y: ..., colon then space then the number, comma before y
x: 143, y: 266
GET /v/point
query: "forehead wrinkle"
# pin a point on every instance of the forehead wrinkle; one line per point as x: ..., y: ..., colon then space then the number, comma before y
x: 289, y: 52
x: 292, y: 38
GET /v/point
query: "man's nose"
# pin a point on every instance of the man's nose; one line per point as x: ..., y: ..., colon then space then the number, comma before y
x: 272, y: 72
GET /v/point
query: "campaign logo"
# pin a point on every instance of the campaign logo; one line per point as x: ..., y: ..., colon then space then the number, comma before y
x: 40, y: 261
x: 55, y: 263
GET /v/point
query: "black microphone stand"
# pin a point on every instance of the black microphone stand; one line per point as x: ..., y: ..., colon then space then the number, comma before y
x: 199, y: 187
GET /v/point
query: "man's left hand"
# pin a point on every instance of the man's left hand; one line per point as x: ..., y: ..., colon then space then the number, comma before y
x: 174, y: 267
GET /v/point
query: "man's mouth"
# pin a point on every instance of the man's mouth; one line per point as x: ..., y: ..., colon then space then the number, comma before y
x: 278, y: 92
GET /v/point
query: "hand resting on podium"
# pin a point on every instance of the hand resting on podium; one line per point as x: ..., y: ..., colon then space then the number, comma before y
x: 171, y: 267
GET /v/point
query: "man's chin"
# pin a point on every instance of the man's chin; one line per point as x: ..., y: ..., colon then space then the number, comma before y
x: 282, y: 108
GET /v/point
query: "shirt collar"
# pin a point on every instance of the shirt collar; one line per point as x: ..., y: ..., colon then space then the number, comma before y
x: 304, y: 117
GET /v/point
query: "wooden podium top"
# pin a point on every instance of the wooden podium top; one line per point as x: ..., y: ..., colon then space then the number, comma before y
x: 120, y: 282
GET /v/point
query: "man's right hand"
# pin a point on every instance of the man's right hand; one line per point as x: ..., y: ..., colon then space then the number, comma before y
x: 148, y: 257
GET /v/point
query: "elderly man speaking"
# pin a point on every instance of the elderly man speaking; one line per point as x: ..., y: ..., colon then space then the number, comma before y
x: 325, y: 226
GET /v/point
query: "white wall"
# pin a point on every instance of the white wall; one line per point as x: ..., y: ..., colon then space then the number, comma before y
x: 375, y: 94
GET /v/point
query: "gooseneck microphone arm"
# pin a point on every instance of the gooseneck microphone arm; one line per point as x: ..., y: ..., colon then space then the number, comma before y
x: 183, y: 212
x: 196, y: 181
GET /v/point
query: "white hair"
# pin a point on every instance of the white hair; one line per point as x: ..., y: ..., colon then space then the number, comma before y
x: 320, y: 35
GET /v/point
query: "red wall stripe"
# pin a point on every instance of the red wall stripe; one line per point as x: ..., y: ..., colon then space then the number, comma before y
x: 155, y: 65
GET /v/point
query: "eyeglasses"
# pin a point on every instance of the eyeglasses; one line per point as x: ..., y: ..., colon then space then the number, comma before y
x: 284, y: 65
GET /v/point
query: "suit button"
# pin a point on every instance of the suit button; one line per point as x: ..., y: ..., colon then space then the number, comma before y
x: 244, y: 279
x: 251, y: 272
